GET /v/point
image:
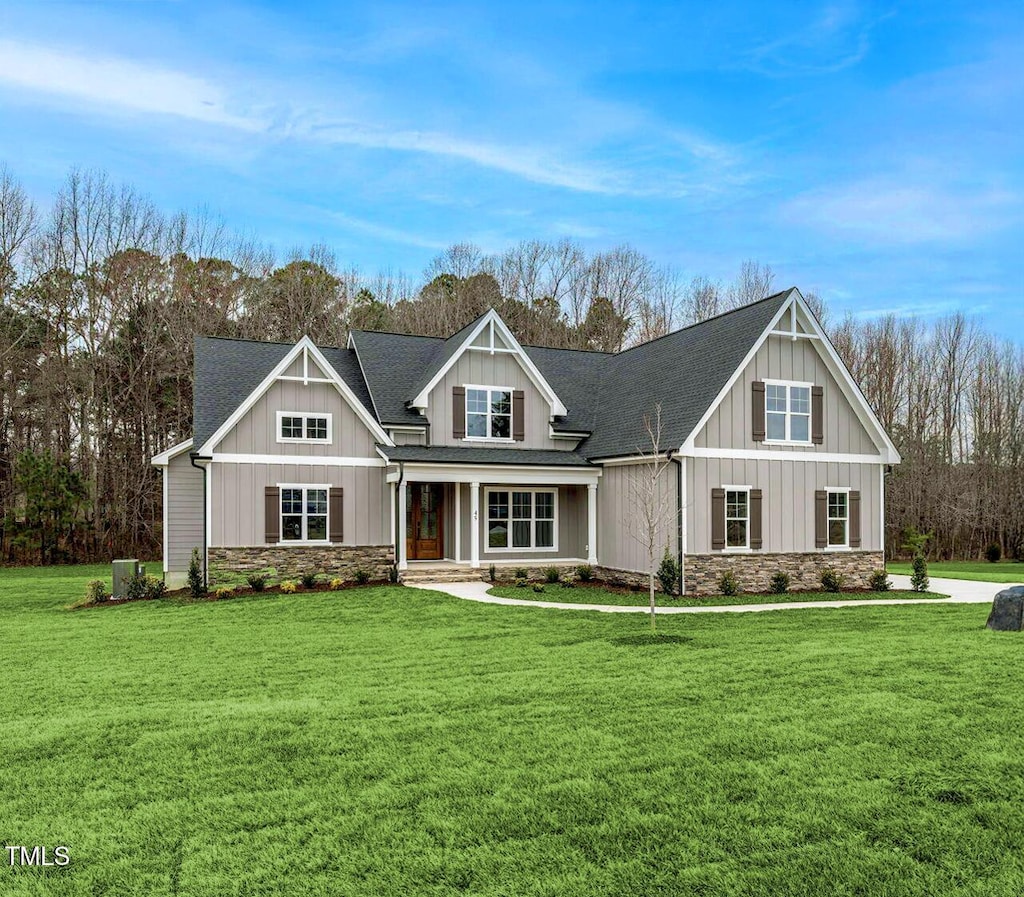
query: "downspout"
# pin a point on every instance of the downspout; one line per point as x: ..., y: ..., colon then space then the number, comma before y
x: 398, y: 510
x: 193, y: 456
x: 680, y: 510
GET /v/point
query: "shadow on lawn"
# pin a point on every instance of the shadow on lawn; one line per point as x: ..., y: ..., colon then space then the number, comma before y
x: 650, y: 638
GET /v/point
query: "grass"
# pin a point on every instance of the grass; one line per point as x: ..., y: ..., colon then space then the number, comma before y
x: 978, y: 571
x: 390, y: 741
x: 581, y: 594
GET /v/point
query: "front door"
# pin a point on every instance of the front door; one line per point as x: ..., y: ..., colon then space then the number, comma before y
x: 424, y: 521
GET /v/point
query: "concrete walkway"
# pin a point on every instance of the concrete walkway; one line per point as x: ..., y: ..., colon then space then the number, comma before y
x: 960, y: 592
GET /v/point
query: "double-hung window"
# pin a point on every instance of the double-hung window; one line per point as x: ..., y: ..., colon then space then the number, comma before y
x: 788, y: 412
x: 304, y: 514
x: 488, y: 412
x: 521, y: 519
x: 838, y: 519
x: 298, y: 426
x: 737, y: 517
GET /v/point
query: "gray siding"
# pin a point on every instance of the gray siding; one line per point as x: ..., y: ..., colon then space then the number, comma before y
x: 402, y: 437
x: 238, y: 491
x: 787, y: 498
x: 186, y: 508
x: 619, y: 520
x: 484, y: 369
x: 782, y: 358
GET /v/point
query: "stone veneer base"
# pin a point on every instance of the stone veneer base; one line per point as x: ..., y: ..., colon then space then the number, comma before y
x: 291, y: 562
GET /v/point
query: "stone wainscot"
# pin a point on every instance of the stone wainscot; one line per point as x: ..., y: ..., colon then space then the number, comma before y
x: 290, y: 562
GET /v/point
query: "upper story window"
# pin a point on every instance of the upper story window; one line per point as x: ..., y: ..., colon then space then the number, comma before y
x: 788, y: 412
x: 298, y: 426
x: 488, y: 412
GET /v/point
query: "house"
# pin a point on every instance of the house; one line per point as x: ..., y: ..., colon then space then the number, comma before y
x: 475, y: 450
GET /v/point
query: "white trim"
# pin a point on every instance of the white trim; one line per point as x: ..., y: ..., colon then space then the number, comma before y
x: 319, y: 461
x: 162, y: 459
x: 403, y: 498
x: 684, y: 523
x: 777, y: 455
x: 497, y: 475
x: 306, y: 416
x: 208, y: 480
x: 592, y: 523
x: 303, y: 487
x: 487, y: 414
x: 304, y: 345
x: 458, y: 521
x: 165, y: 476
x: 406, y: 428
x: 493, y: 319
x: 881, y: 514
x: 737, y: 549
x: 809, y: 414
x: 532, y: 549
x: 565, y: 434
x: 626, y: 459
x: 474, y: 521
x: 391, y: 493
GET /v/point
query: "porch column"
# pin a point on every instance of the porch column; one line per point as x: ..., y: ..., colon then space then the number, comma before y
x: 458, y: 522
x: 474, y: 519
x: 592, y: 523
x: 403, y: 563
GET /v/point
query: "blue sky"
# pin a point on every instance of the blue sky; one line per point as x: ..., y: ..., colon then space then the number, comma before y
x: 873, y: 152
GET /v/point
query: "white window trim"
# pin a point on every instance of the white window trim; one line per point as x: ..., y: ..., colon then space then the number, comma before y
x: 485, y: 516
x: 305, y: 415
x: 736, y: 549
x: 280, y: 514
x: 828, y: 491
x: 810, y: 414
x: 511, y: 416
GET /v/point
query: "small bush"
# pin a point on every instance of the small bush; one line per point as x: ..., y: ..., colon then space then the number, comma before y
x: 156, y: 588
x: 362, y: 577
x: 135, y: 587
x: 568, y: 584
x: 337, y: 583
x: 728, y: 584
x: 585, y: 572
x: 919, y: 576
x: 308, y: 580
x: 831, y: 581
x: 879, y: 581
x: 520, y: 573
x: 668, y: 573
x: 288, y: 587
x: 393, y: 574
x: 780, y: 583
x: 223, y: 592
x: 257, y: 581
x: 993, y: 553
x: 492, y: 573
x: 521, y: 583
x: 552, y: 575
x: 538, y: 588
x: 196, y: 582
x: 96, y: 592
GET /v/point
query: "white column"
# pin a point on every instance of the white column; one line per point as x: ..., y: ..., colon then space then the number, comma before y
x: 592, y: 523
x: 403, y: 563
x: 474, y: 522
x: 458, y: 522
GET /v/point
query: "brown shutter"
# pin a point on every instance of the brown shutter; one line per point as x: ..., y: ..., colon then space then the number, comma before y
x: 271, y: 515
x: 757, y: 396
x: 717, y: 519
x: 755, y: 518
x: 820, y: 518
x: 336, y: 514
x: 458, y: 412
x: 518, y: 415
x: 854, y: 511
x: 817, y: 415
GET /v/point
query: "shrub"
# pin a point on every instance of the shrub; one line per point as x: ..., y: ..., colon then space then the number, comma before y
x: 156, y: 588
x: 552, y: 575
x: 919, y: 576
x: 336, y: 584
x: 362, y: 577
x: 257, y: 581
x: 393, y: 573
x: 223, y: 592
x: 728, y: 584
x: 879, y: 581
x: 308, y: 580
x: 196, y: 582
x: 521, y: 583
x: 780, y: 583
x: 538, y: 588
x: 520, y: 573
x: 96, y: 592
x: 568, y: 583
x: 831, y: 581
x: 668, y: 573
x: 585, y: 572
x: 135, y: 587
x: 492, y: 573
x: 289, y: 587
x: 993, y: 553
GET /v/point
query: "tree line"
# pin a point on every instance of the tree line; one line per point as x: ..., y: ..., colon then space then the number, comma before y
x: 101, y: 294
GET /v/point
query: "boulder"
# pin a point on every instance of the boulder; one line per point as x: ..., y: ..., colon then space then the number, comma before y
x: 1007, y: 610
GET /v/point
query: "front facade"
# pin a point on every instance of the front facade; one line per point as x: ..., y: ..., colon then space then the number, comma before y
x: 474, y: 450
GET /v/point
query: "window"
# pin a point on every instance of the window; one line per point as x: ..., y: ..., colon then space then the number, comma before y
x: 838, y: 519
x: 303, y: 513
x: 737, y: 517
x: 788, y: 412
x: 521, y: 519
x: 296, y: 426
x: 488, y: 413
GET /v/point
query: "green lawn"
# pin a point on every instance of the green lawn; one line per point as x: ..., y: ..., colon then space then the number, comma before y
x: 390, y: 741
x: 979, y: 571
x: 596, y: 595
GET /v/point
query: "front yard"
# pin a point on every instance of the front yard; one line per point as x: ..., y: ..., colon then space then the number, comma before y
x: 977, y: 571
x: 390, y: 741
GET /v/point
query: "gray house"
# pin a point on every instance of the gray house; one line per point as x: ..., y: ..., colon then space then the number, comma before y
x: 445, y: 456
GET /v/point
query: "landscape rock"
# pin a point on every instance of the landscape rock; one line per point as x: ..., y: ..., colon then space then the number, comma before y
x: 1007, y: 610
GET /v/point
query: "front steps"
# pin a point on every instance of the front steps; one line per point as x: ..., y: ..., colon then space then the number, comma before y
x: 415, y: 575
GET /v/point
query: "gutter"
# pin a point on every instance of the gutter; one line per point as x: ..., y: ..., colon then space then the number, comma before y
x: 680, y: 510
x: 193, y: 457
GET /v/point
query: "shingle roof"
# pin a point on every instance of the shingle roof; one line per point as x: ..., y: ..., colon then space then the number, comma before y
x: 454, y: 454
x: 393, y: 364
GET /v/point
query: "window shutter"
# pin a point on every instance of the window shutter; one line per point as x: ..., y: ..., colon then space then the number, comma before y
x: 757, y: 404
x: 458, y: 412
x: 817, y: 415
x: 271, y: 515
x: 854, y: 510
x: 820, y: 518
x: 717, y: 519
x: 335, y: 514
x: 755, y: 519
x: 518, y: 415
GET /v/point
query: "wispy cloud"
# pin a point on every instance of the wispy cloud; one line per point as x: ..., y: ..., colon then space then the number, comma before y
x: 386, y: 232
x: 919, y: 309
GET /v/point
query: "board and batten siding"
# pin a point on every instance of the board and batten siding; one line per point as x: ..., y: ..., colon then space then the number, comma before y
x: 186, y: 508
x: 619, y: 520
x: 238, y: 500
x: 782, y: 358
x: 787, y: 498
x: 484, y: 369
x: 405, y: 437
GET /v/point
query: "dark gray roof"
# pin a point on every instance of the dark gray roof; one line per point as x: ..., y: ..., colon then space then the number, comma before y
x: 394, y: 363
x: 454, y: 454
x: 442, y: 353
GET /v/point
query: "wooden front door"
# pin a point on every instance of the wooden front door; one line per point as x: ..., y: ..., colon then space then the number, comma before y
x: 425, y: 521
